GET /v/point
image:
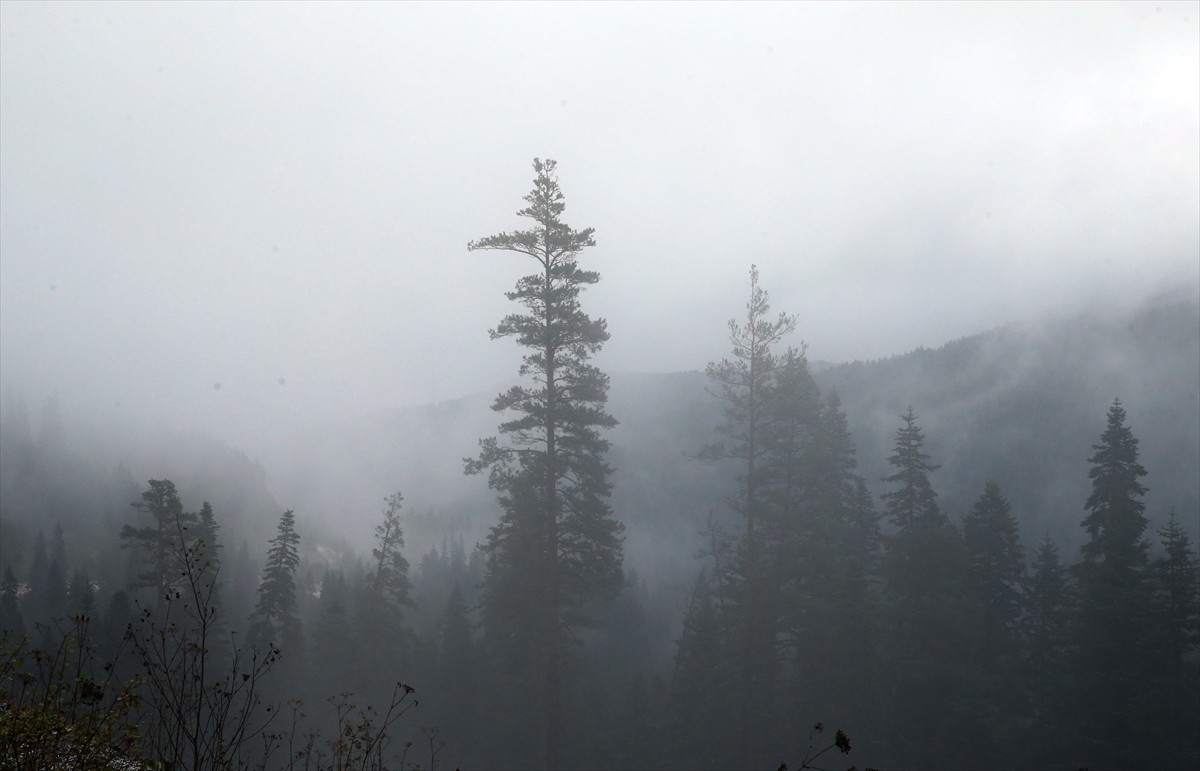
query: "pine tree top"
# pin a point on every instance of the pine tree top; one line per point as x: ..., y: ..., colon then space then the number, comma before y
x: 553, y: 242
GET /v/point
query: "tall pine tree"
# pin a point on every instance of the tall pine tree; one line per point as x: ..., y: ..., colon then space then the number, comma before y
x: 557, y: 543
x: 745, y: 382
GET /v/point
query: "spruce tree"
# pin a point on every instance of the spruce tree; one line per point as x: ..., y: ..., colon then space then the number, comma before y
x: 1045, y: 675
x: 1116, y: 519
x: 332, y: 642
x: 794, y: 538
x: 557, y: 543
x: 1113, y: 599
x: 208, y: 547
x: 914, y: 500
x: 1176, y: 573
x: 831, y: 616
x: 204, y: 555
x: 384, y: 596
x: 997, y: 564
x: 275, y: 620
x: 930, y: 613
x: 1175, y: 697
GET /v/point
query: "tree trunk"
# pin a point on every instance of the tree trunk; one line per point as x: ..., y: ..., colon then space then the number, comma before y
x: 551, y: 698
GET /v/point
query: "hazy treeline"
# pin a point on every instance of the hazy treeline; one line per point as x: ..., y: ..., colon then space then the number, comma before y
x: 934, y: 644
x: 934, y: 639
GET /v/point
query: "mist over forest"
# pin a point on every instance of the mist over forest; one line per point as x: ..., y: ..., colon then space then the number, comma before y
x: 862, y: 430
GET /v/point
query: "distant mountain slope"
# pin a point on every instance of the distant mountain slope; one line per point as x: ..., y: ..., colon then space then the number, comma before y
x: 1023, y: 405
x: 84, y: 481
x: 1020, y: 404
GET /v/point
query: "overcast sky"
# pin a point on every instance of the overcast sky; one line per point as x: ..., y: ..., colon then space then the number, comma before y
x: 277, y: 198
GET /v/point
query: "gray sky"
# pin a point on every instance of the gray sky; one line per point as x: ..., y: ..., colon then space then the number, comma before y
x: 277, y: 198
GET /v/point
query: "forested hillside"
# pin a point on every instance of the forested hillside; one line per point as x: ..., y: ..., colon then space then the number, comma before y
x: 1017, y: 404
x: 1019, y: 408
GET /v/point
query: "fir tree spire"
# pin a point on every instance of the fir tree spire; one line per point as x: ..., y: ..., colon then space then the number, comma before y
x: 1116, y: 520
x: 914, y: 500
x: 275, y: 620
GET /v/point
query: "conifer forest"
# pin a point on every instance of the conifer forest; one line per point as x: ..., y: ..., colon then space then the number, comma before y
x: 861, y: 432
x: 821, y: 621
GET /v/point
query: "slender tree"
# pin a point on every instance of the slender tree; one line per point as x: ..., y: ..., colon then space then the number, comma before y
x: 389, y: 578
x: 745, y: 382
x: 551, y: 473
x: 383, y: 599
